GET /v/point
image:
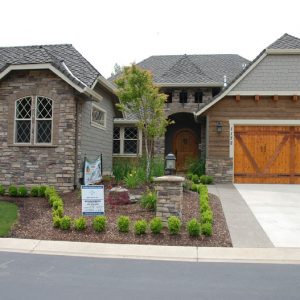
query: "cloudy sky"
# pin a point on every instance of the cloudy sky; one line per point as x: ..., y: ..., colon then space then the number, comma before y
x: 125, y: 31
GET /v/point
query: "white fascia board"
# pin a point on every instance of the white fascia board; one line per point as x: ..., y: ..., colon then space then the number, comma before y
x: 264, y: 93
x: 166, y: 84
x: 283, y: 51
x: 106, y: 84
x: 125, y: 121
x: 226, y: 92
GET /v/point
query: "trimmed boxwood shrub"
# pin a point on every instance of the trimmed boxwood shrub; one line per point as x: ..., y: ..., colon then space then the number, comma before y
x: 59, y: 211
x: 13, y: 191
x: 22, y: 191
x: 174, y: 225
x: 206, y: 229
x: 123, y: 223
x: 194, y: 187
x: 140, y: 227
x: 34, y: 192
x: 2, y: 190
x: 195, y: 179
x: 80, y: 224
x: 194, y: 227
x: 205, y: 179
x: 65, y: 223
x: 56, y: 221
x: 42, y: 190
x: 156, y: 225
x: 57, y: 203
x: 207, y: 217
x: 99, y: 223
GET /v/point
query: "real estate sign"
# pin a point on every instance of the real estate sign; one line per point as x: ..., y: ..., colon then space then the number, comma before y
x: 92, y: 200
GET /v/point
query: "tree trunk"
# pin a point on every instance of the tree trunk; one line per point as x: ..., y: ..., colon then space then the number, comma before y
x: 148, y: 158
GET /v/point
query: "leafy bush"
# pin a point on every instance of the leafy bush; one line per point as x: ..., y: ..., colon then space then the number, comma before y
x: 34, y: 192
x: 121, y: 168
x: 13, y: 191
x: 194, y: 187
x: 57, y: 203
x: 140, y: 227
x: 194, y: 227
x: 189, y: 176
x: 174, y: 225
x: 123, y: 223
x: 54, y: 198
x: 59, y: 212
x: 50, y: 191
x: 99, y: 223
x: 196, y: 167
x: 206, y: 229
x: 132, y: 180
x: 195, y: 179
x: 157, y: 167
x: 80, y: 224
x: 22, y: 191
x: 207, y: 216
x: 148, y: 200
x: 56, y: 221
x: 2, y: 190
x: 65, y: 223
x: 187, y: 185
x: 156, y: 225
x: 42, y: 190
x: 205, y: 179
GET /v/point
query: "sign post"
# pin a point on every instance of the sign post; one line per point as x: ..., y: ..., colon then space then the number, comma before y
x: 92, y: 200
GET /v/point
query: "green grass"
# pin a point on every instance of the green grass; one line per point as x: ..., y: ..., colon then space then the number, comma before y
x: 8, y: 216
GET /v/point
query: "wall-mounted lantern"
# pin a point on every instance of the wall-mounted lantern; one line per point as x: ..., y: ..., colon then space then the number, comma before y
x: 170, y: 167
x: 219, y: 127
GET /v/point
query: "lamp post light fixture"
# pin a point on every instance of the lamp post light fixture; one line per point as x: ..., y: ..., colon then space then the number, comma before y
x: 170, y: 167
x: 219, y: 127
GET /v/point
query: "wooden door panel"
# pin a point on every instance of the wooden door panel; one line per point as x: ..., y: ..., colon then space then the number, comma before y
x: 267, y: 154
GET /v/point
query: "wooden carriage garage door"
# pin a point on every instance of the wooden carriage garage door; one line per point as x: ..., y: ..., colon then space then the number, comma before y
x: 267, y: 154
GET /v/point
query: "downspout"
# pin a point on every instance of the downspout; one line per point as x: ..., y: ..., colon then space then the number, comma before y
x: 76, y: 143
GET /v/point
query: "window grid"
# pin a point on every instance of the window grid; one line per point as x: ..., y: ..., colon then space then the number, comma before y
x: 23, y: 119
x: 98, y: 117
x: 126, y: 141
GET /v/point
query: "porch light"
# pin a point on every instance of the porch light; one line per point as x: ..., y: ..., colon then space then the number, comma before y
x: 170, y: 164
x: 219, y: 127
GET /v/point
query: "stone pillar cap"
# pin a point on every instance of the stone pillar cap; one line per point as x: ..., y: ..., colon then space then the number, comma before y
x: 169, y: 178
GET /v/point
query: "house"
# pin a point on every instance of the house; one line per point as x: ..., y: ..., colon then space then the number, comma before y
x: 258, y: 116
x: 55, y: 108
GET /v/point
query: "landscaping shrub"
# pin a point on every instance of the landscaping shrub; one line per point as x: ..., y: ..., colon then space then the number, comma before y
x: 121, y: 168
x: 59, y: 212
x: 187, y: 185
x: 205, y: 179
x: 157, y: 167
x: 65, y: 223
x: 50, y: 191
x: 80, y: 224
x: 174, y: 225
x: 195, y: 179
x: 54, y: 198
x: 132, y: 180
x: 22, y: 191
x: 148, y: 200
x: 13, y: 191
x: 140, y: 227
x: 34, y: 192
x: 42, y: 190
x: 99, y: 223
x: 193, y: 227
x: 207, y: 216
x: 123, y: 223
x: 56, y: 221
x: 206, y: 229
x: 189, y: 176
x: 57, y: 203
x: 2, y: 190
x: 156, y: 225
x: 196, y: 167
x: 194, y: 187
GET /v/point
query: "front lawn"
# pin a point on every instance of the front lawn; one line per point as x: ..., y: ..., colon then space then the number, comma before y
x: 8, y: 216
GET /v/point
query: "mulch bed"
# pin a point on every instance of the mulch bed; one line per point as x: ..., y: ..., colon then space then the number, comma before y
x: 35, y: 222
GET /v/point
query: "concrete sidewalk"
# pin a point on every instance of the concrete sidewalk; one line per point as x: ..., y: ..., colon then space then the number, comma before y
x: 245, y: 230
x: 151, y: 252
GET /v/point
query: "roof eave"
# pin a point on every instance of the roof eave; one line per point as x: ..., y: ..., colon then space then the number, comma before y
x: 283, y: 51
x: 193, y: 84
x: 125, y: 121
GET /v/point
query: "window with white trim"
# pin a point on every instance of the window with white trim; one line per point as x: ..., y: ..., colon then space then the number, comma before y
x: 98, y: 116
x: 33, y: 120
x: 126, y: 140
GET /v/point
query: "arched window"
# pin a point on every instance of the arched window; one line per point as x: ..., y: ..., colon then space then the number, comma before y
x: 33, y: 120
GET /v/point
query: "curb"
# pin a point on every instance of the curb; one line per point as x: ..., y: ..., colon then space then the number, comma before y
x: 152, y: 252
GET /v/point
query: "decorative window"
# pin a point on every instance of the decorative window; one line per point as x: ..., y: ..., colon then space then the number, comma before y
x: 198, y: 97
x: 98, y: 117
x: 33, y: 118
x: 126, y: 141
x: 183, y: 97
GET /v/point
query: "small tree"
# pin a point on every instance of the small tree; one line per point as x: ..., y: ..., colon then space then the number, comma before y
x: 138, y: 95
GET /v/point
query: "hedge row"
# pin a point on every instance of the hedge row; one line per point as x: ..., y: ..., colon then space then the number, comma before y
x: 22, y: 191
x: 206, y: 214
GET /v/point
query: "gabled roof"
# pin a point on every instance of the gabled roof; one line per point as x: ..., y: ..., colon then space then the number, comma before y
x: 205, y: 70
x: 282, y: 45
x: 63, y: 57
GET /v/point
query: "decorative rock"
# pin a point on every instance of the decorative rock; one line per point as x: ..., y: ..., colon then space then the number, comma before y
x: 118, y: 196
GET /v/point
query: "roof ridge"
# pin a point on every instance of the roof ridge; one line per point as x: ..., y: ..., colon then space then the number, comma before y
x: 42, y: 45
x: 277, y: 43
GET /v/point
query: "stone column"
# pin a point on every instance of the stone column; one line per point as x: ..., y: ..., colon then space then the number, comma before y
x: 169, y: 196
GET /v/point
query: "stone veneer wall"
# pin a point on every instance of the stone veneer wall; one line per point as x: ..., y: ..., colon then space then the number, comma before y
x: 220, y: 169
x: 33, y: 164
x: 169, y: 196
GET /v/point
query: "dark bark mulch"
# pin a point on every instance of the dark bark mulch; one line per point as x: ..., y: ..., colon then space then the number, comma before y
x: 35, y: 222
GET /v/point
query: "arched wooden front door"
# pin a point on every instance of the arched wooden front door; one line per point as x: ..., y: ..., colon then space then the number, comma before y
x: 185, y: 147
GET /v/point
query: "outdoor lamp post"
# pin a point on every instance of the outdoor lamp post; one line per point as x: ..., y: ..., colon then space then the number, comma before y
x: 170, y: 164
x: 219, y: 127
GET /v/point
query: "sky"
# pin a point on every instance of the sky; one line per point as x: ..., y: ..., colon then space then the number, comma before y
x: 127, y: 31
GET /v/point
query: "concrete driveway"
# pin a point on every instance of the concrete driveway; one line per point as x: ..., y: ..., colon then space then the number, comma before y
x: 277, y: 209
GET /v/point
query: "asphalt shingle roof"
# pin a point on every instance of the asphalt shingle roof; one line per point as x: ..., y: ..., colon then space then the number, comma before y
x: 286, y: 42
x: 64, y: 57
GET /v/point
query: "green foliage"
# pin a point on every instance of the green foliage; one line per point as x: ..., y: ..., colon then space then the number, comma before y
x: 65, y: 223
x: 8, y: 216
x: 59, y: 212
x: 57, y: 203
x: 187, y: 185
x: 80, y: 224
x: 156, y: 225
x: 195, y: 179
x: 54, y: 198
x: 194, y: 187
x: 174, y: 225
x: 34, y: 192
x: 50, y: 191
x: 13, y: 191
x: 157, y: 167
x: 206, y: 229
x: 132, y: 180
x: 196, y: 167
x: 121, y: 168
x: 194, y: 227
x: 207, y: 216
x: 56, y: 221
x: 22, y: 191
x: 42, y: 190
x: 148, y: 200
x: 123, y: 223
x: 205, y: 179
x: 99, y: 223
x: 140, y: 227
x: 2, y: 190
x: 189, y: 176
